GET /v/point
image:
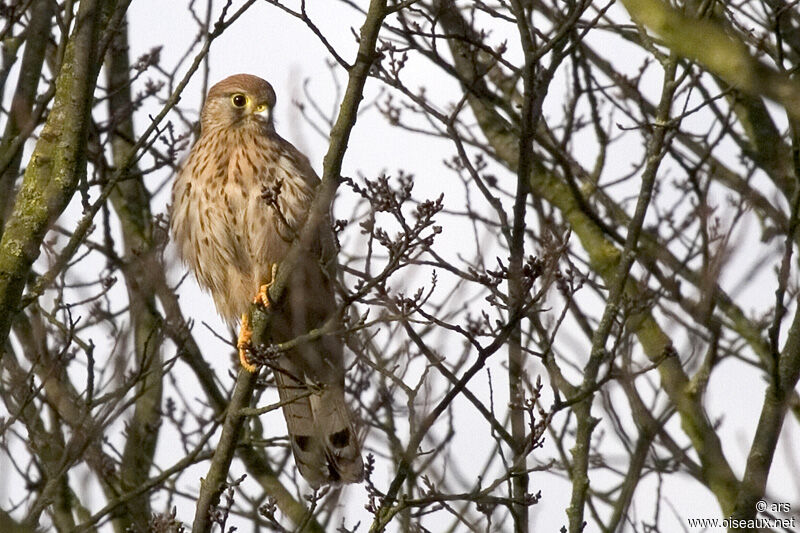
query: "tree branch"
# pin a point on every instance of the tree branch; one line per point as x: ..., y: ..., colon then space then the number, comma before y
x: 213, y: 485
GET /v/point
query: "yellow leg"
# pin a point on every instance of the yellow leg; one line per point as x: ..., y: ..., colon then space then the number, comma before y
x: 244, y: 339
x: 262, y: 296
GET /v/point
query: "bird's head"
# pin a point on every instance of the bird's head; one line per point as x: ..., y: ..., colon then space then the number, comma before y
x: 240, y: 100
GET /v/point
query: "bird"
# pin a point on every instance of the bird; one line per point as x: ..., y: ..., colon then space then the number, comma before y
x: 239, y: 202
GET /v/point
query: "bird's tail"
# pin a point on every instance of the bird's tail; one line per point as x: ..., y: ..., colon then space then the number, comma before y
x: 323, y: 439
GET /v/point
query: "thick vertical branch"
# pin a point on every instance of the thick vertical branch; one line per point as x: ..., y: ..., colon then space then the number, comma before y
x: 784, y: 377
x: 773, y: 412
x: 516, y: 357
x: 21, y: 120
x: 58, y: 161
x: 599, y: 355
x: 131, y: 202
x: 604, y: 257
x: 48, y: 447
x: 213, y: 484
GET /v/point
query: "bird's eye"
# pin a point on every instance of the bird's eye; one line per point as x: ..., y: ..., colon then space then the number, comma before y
x: 239, y: 100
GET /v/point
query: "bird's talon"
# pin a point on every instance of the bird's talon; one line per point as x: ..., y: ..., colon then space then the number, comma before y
x: 262, y: 296
x: 245, y: 334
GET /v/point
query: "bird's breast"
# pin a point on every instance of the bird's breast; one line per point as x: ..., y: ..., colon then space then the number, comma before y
x: 235, y: 213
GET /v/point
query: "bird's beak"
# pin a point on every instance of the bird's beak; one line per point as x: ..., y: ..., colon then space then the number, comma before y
x: 262, y: 111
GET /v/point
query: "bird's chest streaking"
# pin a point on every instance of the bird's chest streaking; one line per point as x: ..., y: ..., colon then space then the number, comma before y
x: 238, y: 203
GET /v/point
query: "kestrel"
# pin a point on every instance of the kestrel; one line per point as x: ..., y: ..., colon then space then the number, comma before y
x: 238, y: 203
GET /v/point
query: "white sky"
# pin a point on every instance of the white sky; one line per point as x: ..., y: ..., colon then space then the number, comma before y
x: 268, y: 43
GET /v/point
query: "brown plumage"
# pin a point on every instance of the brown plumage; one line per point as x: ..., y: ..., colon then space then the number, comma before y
x: 232, y: 237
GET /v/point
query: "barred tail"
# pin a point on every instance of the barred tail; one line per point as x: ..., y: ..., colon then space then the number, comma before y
x: 325, y: 445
